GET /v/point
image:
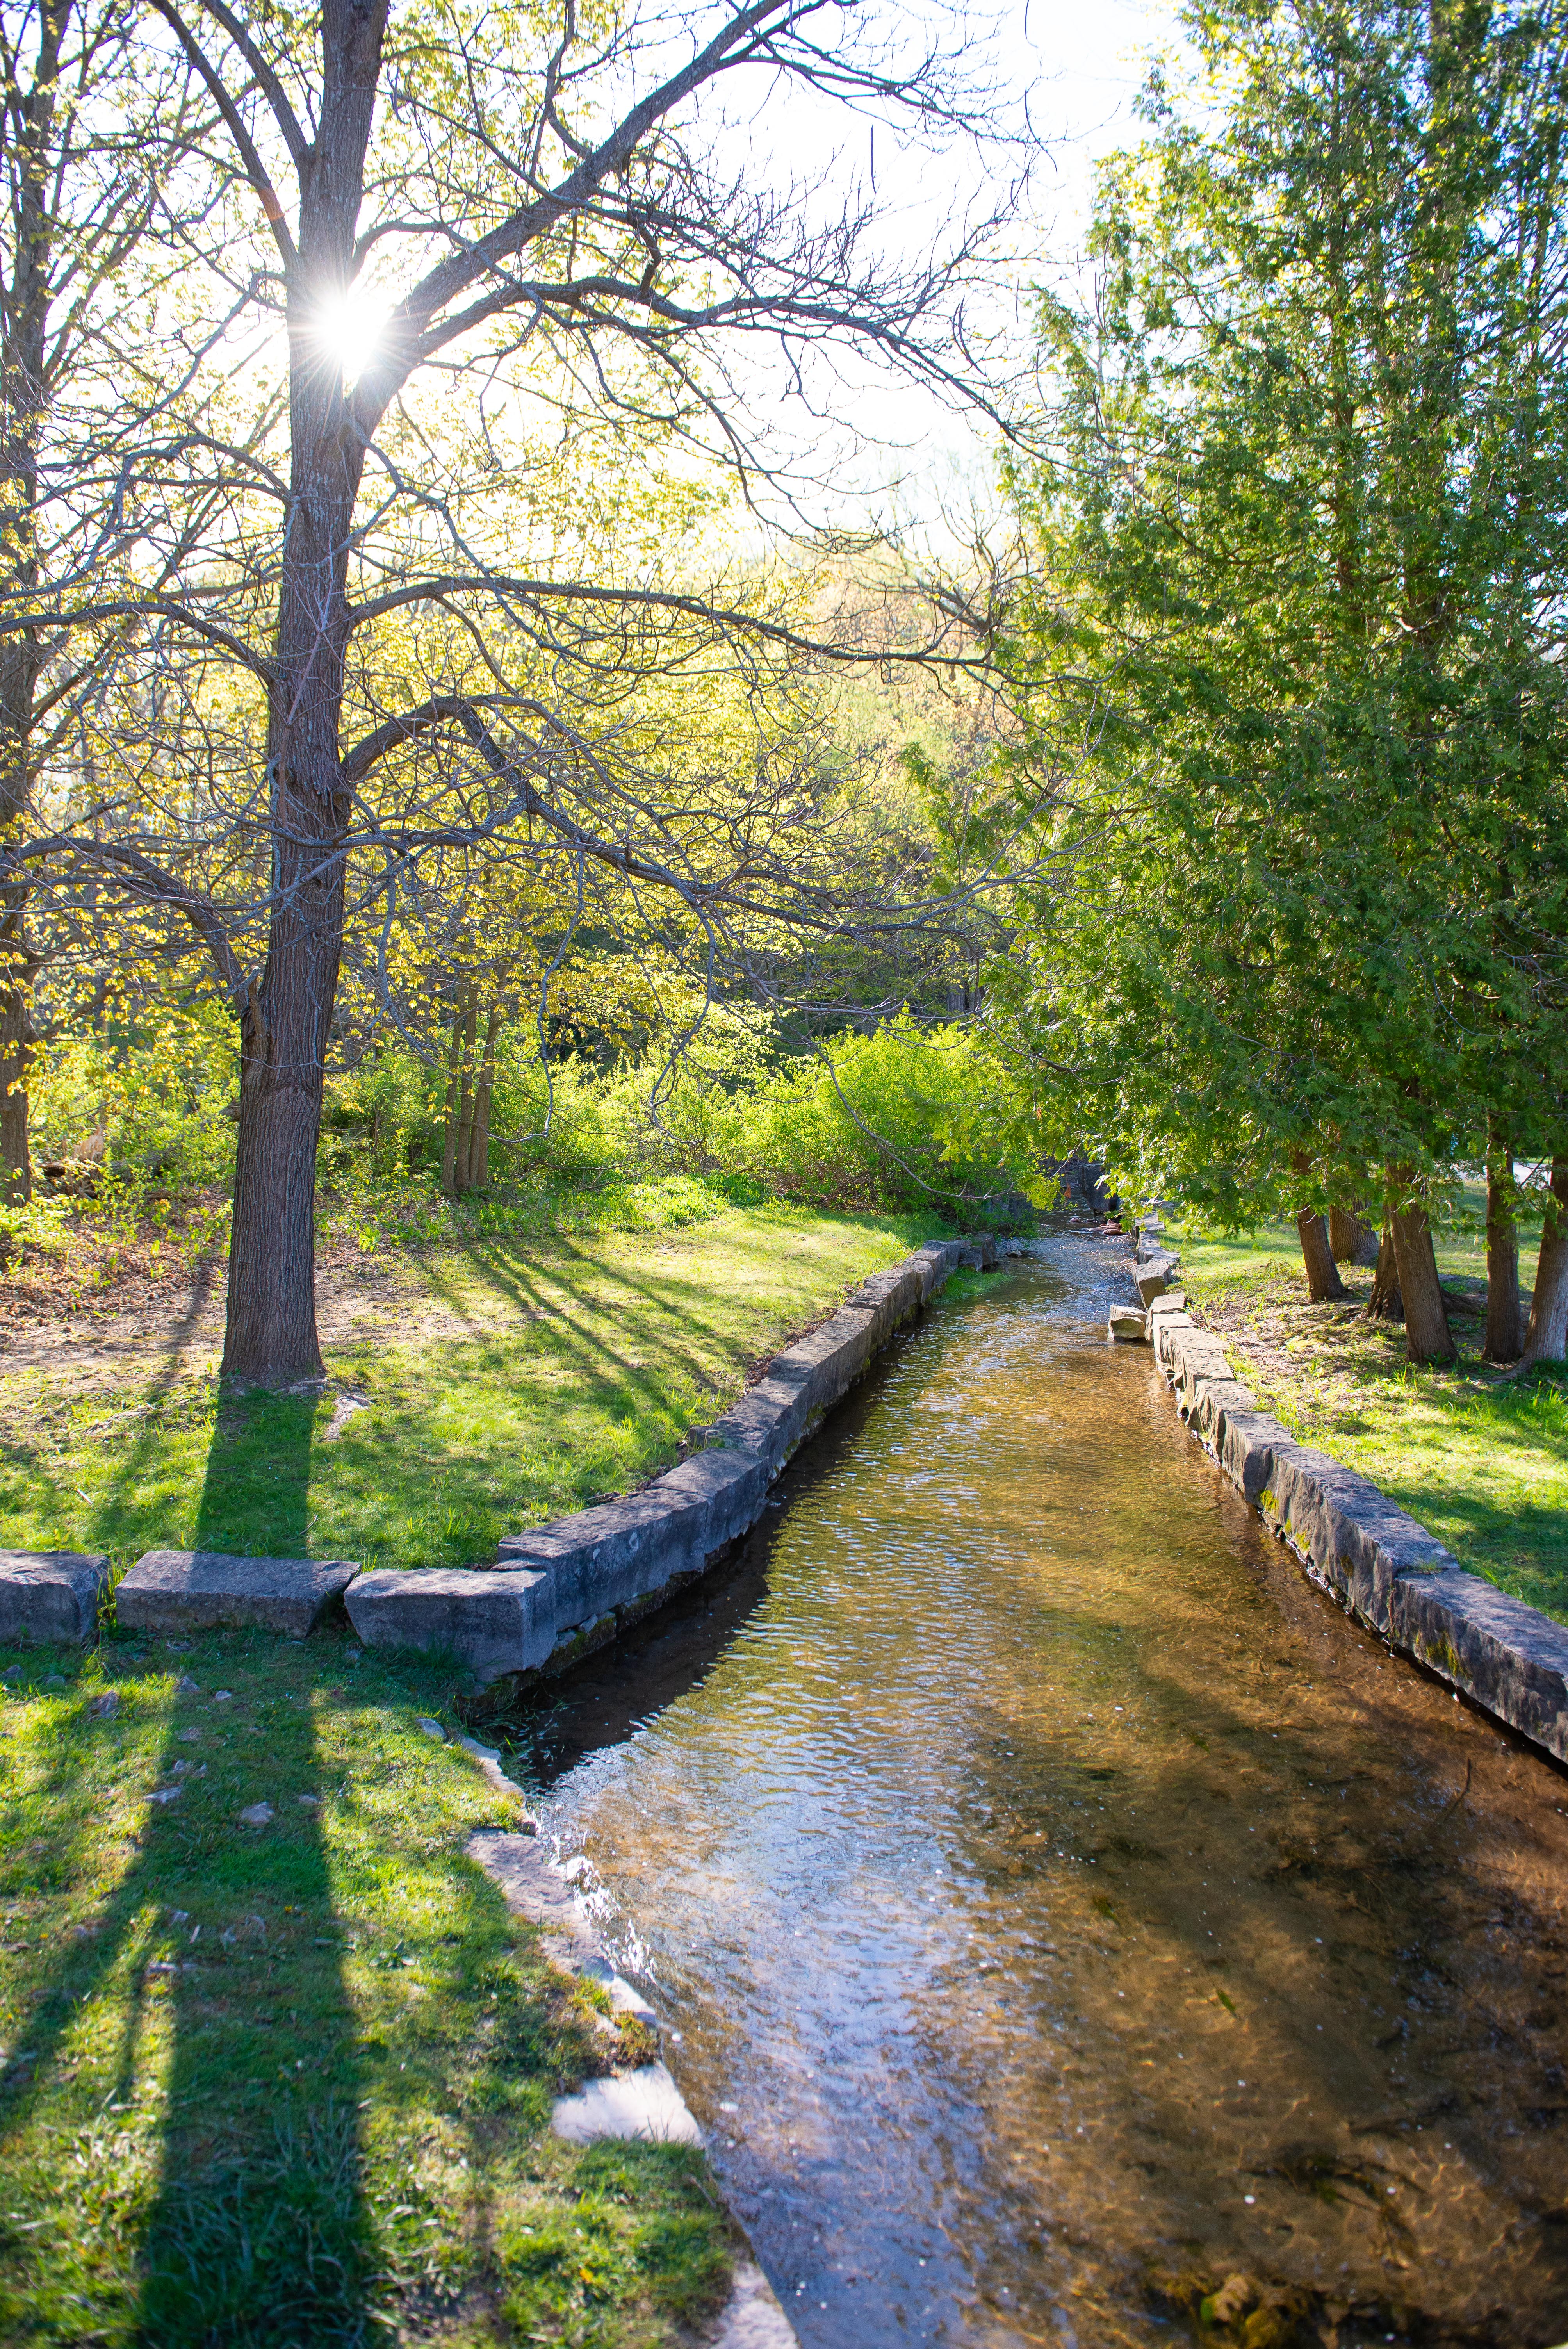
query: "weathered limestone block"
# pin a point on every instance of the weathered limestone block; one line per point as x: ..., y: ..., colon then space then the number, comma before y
x: 611, y: 1556
x: 1510, y: 1657
x: 497, y: 1621
x: 1354, y: 1540
x: 1212, y: 1398
x: 1155, y: 1275
x: 1198, y: 1356
x: 204, y: 1589
x: 49, y: 1595
x: 1248, y: 1444
x: 1128, y: 1323
x: 1167, y: 1330
x: 645, y: 2104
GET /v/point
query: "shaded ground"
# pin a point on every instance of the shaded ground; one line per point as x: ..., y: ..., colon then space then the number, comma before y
x: 468, y: 1392
x: 1482, y: 1462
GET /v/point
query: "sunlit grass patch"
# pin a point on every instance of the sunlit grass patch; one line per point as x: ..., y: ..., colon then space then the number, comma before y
x: 1480, y: 1461
x: 291, y: 2081
x: 511, y: 1382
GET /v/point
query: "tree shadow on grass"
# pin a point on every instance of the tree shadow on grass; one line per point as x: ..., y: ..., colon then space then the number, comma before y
x: 229, y: 2063
x: 260, y: 2232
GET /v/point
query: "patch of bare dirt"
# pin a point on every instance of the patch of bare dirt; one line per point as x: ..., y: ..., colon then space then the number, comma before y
x: 103, y: 1311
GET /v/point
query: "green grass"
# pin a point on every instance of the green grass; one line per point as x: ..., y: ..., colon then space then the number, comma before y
x: 1482, y: 1465
x: 521, y: 1379
x: 291, y: 2085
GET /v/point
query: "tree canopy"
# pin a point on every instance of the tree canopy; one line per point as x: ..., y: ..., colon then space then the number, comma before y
x: 1294, y: 635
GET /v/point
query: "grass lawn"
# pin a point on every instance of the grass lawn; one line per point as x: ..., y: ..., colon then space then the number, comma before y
x: 290, y: 2084
x: 1484, y: 1465
x: 515, y: 1380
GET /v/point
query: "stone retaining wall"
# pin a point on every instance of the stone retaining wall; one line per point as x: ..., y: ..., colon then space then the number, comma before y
x: 1384, y: 1569
x: 557, y: 1591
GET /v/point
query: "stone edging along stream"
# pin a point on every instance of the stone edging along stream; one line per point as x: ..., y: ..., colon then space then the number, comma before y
x: 558, y: 1592
x: 1382, y: 1566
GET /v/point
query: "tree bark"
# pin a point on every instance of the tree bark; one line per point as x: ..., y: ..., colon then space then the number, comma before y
x: 479, y: 1152
x: 1428, y: 1338
x: 1504, y: 1313
x: 24, y: 323
x: 449, y: 1140
x: 285, y: 1020
x: 1352, y: 1239
x: 1385, y: 1304
x: 1546, y: 1339
x: 1323, y: 1281
x: 463, y: 1175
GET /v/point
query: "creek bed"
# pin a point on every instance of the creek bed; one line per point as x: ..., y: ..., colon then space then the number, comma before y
x: 1062, y: 1906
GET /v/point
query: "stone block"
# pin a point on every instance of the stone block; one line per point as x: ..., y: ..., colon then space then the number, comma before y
x: 50, y: 1596
x: 1128, y: 1323
x: 1167, y: 1330
x: 204, y: 1589
x: 1248, y: 1444
x: 1196, y: 1356
x: 1211, y: 1400
x: 1154, y: 1278
x: 1509, y: 1657
x: 1353, y: 1539
x: 614, y: 1555
x: 497, y: 1621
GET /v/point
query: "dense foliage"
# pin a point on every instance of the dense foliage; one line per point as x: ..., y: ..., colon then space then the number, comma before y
x: 1294, y: 647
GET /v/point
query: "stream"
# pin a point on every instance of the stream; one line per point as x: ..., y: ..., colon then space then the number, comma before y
x: 1056, y: 1905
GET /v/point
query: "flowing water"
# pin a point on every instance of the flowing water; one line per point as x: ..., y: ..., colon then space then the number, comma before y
x: 1061, y: 1906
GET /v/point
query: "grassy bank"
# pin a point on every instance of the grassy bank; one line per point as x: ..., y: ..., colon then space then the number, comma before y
x: 1484, y: 1465
x: 496, y: 1384
x: 291, y: 2081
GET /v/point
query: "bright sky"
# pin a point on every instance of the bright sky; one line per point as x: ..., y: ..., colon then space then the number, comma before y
x: 1076, y: 69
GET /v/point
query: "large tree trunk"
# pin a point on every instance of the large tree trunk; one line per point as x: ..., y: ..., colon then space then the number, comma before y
x: 1428, y: 1338
x: 1385, y: 1304
x: 285, y: 1021
x: 1323, y: 1281
x: 1546, y: 1339
x: 1351, y: 1237
x: 1504, y: 1313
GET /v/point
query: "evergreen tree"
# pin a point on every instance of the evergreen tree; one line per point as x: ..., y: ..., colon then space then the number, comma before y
x: 1293, y: 641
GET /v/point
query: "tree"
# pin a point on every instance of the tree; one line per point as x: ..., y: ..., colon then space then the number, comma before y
x: 1296, y: 640
x: 79, y: 197
x: 530, y: 203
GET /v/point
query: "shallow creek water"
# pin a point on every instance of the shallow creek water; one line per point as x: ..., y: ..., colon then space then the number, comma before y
x: 1059, y: 1903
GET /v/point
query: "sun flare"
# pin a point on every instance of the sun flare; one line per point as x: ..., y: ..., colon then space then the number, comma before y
x: 345, y: 328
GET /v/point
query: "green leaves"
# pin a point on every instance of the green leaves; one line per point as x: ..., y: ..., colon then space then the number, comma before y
x: 1293, y: 650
